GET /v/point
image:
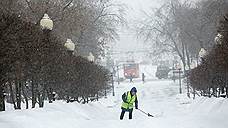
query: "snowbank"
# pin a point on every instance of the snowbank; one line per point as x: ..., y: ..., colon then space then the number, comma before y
x: 159, y: 98
x: 205, y: 105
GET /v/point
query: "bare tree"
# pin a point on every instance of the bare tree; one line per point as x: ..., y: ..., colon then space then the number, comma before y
x: 183, y: 27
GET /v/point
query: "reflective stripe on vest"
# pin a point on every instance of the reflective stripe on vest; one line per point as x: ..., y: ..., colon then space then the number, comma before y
x: 130, y: 101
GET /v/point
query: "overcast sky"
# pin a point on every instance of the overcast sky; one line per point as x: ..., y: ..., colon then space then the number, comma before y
x: 128, y: 41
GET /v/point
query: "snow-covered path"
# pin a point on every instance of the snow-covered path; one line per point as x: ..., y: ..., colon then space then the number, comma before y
x: 159, y: 98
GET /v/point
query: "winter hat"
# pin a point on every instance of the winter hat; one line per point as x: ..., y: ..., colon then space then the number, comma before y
x: 133, y: 89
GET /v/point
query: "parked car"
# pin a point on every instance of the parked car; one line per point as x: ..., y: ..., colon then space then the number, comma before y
x: 162, y: 72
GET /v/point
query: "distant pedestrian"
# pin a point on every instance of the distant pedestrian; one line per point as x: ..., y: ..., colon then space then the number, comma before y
x: 129, y: 98
x: 131, y: 78
x: 143, y: 77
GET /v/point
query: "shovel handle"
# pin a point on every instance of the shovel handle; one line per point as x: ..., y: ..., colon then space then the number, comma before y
x: 148, y: 114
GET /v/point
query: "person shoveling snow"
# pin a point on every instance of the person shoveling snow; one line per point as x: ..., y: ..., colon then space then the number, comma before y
x: 129, y: 98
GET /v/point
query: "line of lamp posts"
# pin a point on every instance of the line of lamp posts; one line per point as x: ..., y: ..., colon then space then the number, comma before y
x: 47, y: 25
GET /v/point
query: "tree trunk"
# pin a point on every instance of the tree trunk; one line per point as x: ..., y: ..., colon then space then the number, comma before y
x: 2, y: 100
x: 25, y: 96
x: 97, y: 96
x: 105, y: 93
x: 33, y: 95
x: 39, y: 95
x: 43, y: 96
x: 18, y: 94
x: 214, y: 92
x: 226, y: 92
x: 219, y: 92
x: 50, y: 96
x: 76, y: 99
x: 68, y: 99
x: 12, y: 95
x: 201, y: 92
x: 183, y: 56
x: 194, y: 93
x: 209, y: 92
x: 84, y: 100
x: 188, y: 57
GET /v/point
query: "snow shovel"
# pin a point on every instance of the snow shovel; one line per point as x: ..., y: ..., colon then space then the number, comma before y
x: 148, y: 114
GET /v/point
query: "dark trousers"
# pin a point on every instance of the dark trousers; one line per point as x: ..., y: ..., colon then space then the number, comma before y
x: 126, y: 110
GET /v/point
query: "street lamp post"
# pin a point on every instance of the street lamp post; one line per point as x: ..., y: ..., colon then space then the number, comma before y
x: 118, y: 76
x: 174, y: 72
x: 218, y: 41
x: 46, y: 25
x: 201, y: 55
x: 179, y: 71
x: 175, y: 62
x: 113, y: 72
x: 91, y: 59
x: 70, y: 46
x: 113, y: 91
x: 188, y: 86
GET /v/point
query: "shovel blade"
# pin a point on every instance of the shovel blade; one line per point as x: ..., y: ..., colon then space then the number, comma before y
x: 150, y: 115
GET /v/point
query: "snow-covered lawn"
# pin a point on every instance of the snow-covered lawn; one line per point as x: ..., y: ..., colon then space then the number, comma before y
x: 159, y: 98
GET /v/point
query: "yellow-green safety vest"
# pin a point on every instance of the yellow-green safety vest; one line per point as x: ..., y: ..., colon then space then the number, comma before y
x: 130, y: 101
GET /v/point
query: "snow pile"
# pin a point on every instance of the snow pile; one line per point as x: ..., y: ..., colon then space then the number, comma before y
x: 56, y: 115
x: 208, y: 106
x: 159, y: 98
